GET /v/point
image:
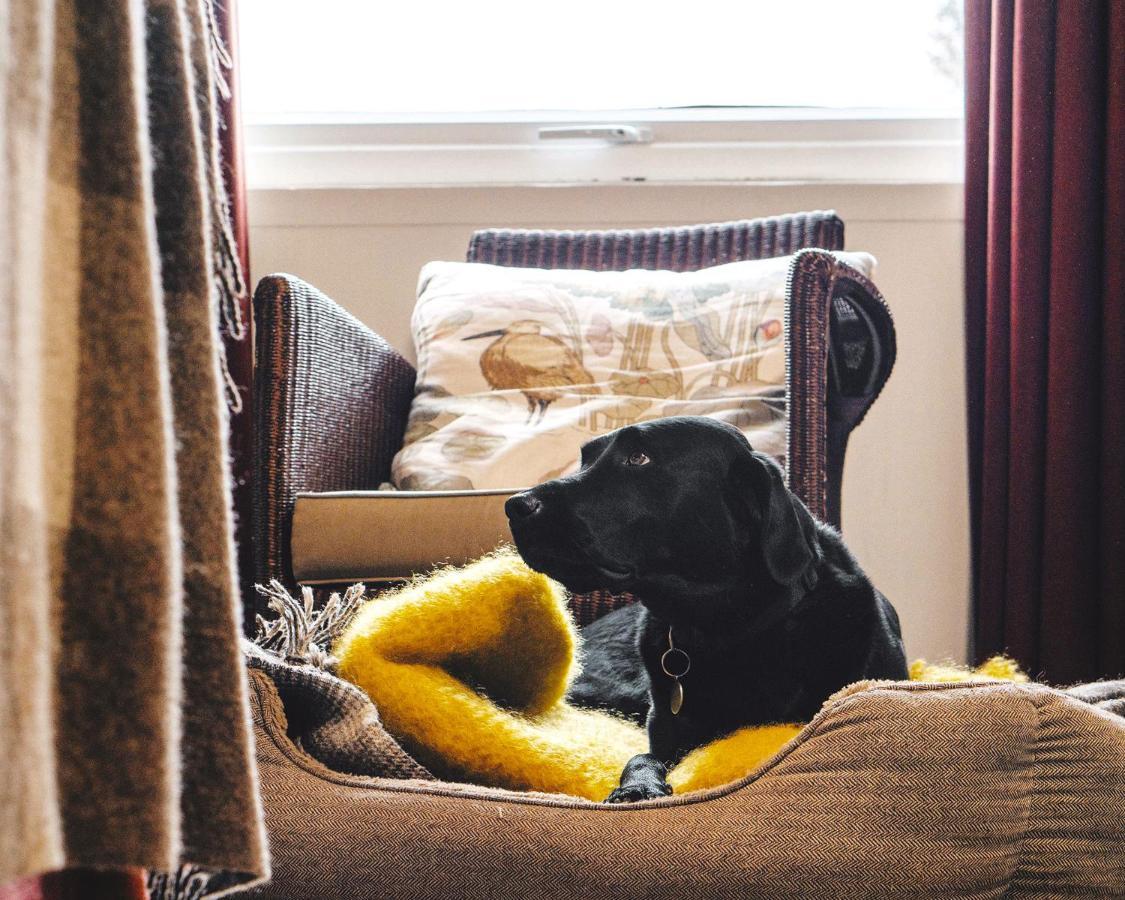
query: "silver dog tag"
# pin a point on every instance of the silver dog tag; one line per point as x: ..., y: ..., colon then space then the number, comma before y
x: 677, y: 697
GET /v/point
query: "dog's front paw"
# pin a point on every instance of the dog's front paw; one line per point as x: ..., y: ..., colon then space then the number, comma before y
x: 634, y: 793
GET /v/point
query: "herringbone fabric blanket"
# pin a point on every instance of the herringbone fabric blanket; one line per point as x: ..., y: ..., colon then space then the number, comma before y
x: 339, y: 725
x: 124, y: 723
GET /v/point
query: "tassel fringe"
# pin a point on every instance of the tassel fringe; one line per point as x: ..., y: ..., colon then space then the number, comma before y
x: 301, y: 633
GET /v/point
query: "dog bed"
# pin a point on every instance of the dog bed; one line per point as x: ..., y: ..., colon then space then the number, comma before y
x: 894, y: 790
x: 469, y: 668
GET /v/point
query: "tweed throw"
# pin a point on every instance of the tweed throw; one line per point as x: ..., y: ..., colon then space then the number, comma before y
x: 337, y: 723
x: 124, y: 722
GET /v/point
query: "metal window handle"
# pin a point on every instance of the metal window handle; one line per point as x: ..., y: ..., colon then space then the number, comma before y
x: 614, y: 134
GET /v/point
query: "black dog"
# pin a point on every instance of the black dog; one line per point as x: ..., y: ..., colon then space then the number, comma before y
x: 752, y: 611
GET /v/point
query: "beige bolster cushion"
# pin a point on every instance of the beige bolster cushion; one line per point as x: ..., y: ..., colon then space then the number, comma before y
x: 352, y: 536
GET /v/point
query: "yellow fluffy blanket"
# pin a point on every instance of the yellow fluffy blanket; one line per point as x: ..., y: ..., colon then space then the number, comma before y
x: 468, y: 668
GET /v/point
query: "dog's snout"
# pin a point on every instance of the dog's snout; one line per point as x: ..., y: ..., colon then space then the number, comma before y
x: 523, y: 506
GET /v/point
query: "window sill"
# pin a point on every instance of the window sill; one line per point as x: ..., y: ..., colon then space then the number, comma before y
x: 689, y: 146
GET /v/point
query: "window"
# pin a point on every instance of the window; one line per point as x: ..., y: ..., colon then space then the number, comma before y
x: 344, y: 91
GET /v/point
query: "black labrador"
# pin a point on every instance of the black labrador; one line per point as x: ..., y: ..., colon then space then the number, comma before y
x: 752, y: 611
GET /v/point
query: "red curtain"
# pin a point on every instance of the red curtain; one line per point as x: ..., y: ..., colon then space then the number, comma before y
x: 1045, y: 332
x: 79, y: 884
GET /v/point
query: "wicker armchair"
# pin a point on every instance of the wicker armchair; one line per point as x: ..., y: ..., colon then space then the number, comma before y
x: 893, y: 790
x: 332, y: 397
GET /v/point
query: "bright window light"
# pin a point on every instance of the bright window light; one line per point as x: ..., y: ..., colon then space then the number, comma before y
x: 386, y: 60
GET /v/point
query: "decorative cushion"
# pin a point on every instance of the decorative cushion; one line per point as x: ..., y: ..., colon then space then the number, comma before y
x: 517, y: 368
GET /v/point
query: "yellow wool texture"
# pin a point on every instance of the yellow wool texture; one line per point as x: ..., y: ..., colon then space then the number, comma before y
x: 469, y: 666
x: 995, y: 668
x: 730, y: 758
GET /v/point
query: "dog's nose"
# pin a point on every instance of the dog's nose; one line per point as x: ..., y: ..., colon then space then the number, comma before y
x: 523, y: 506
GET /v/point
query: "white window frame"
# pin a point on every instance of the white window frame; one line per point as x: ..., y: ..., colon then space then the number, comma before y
x: 744, y: 145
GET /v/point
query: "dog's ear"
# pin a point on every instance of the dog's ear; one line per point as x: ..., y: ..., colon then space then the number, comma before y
x: 788, y: 533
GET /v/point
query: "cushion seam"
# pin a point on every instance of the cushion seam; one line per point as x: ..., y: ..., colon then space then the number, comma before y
x: 1032, y: 778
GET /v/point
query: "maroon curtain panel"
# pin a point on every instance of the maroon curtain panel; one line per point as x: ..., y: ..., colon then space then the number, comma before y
x: 1045, y: 332
x: 79, y: 884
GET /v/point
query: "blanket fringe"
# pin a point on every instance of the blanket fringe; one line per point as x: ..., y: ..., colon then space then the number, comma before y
x: 185, y: 883
x: 229, y: 279
x: 302, y: 633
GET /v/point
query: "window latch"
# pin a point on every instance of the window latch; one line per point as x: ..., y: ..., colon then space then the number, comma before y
x: 613, y: 134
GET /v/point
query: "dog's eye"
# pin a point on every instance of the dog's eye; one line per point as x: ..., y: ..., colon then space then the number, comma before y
x: 637, y: 459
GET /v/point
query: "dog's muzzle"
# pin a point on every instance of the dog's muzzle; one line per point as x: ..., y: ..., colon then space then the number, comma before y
x: 552, y: 540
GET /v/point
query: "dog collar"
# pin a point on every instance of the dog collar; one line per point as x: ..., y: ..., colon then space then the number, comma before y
x: 676, y: 664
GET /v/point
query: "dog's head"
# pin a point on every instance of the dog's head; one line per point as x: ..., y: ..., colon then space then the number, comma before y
x: 681, y: 511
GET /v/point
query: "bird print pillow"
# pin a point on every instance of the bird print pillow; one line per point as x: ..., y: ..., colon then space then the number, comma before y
x: 517, y: 368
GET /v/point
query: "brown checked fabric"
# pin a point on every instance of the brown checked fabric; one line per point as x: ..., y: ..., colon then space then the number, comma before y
x: 124, y: 722
x: 333, y: 720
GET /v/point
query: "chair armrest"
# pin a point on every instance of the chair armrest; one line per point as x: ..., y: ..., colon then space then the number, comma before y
x: 842, y: 344
x: 331, y: 399
x: 861, y: 354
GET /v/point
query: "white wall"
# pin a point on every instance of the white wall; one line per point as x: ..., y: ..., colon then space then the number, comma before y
x: 905, y: 496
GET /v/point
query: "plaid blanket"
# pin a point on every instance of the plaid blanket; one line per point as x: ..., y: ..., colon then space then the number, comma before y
x: 332, y: 720
x: 124, y: 717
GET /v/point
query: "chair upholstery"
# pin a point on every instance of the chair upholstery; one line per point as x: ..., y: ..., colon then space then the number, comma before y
x: 331, y: 396
x: 330, y: 404
x: 674, y: 249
